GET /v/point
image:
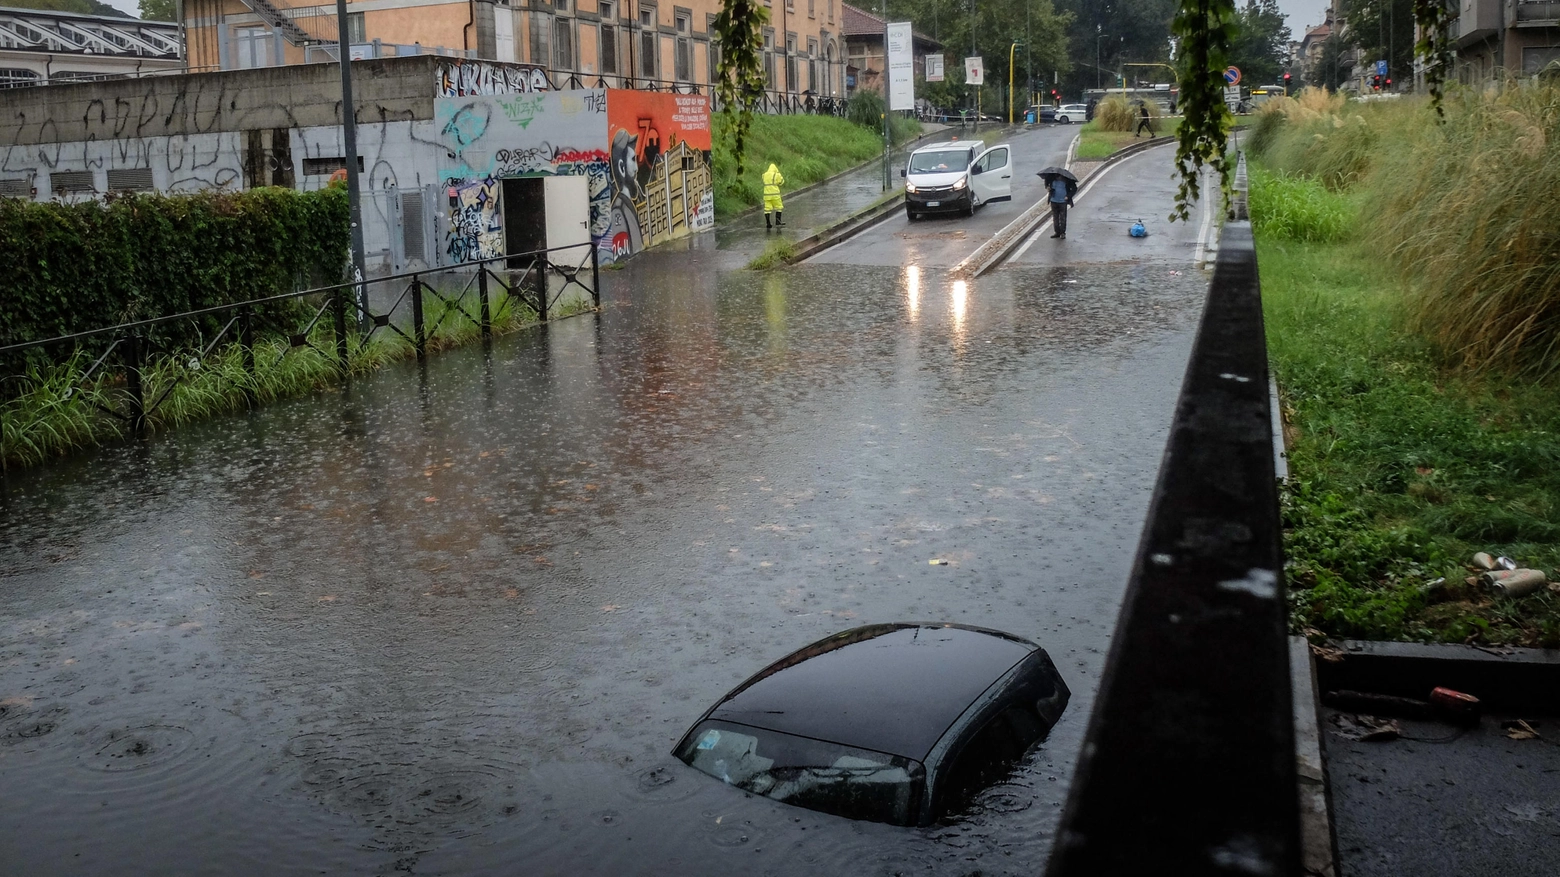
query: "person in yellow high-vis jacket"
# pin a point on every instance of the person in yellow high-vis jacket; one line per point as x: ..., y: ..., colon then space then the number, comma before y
x: 773, y: 180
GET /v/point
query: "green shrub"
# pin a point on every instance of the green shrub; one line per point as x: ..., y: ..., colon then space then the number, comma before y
x: 866, y: 108
x: 1115, y: 114
x: 1286, y: 207
x: 76, y: 267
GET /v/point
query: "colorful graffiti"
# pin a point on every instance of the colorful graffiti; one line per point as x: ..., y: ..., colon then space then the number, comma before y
x: 660, y: 153
x: 646, y: 157
x: 473, y: 78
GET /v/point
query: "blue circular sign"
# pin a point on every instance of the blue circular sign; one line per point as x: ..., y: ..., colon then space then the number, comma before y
x: 1232, y: 75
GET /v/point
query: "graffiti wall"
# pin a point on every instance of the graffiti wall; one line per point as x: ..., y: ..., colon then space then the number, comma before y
x: 647, y: 157
x: 469, y: 78
x: 661, y: 179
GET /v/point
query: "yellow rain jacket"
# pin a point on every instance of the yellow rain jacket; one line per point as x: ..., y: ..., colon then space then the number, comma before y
x: 773, y: 180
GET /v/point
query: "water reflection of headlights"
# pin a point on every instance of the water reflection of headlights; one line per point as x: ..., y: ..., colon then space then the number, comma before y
x: 961, y: 182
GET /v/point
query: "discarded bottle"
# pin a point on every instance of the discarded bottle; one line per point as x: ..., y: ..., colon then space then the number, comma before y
x: 1512, y: 582
x: 1484, y: 560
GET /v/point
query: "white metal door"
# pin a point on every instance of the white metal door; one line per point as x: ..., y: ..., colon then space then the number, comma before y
x: 994, y: 182
x: 504, y: 33
x: 568, y: 213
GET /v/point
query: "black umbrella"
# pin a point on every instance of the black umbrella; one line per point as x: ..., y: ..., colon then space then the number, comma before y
x: 1054, y: 171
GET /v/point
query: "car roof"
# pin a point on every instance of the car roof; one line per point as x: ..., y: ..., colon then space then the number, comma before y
x: 948, y: 145
x: 893, y: 688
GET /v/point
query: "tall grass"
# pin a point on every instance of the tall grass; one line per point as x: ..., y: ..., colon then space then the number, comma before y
x: 1465, y: 211
x: 54, y: 412
x: 1115, y: 114
x: 1296, y: 208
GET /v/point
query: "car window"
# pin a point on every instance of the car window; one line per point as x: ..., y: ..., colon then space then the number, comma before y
x: 989, y: 755
x: 843, y: 780
x: 992, y: 161
x: 943, y: 161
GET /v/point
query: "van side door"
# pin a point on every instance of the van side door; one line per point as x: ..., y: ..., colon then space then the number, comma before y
x: 991, y: 176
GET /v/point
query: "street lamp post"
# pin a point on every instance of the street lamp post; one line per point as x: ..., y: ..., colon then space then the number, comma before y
x: 349, y: 144
x: 1010, y: 81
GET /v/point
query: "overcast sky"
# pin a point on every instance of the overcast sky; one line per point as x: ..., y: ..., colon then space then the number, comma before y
x: 1300, y: 14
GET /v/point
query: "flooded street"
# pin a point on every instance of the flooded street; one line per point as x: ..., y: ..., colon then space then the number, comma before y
x: 452, y: 621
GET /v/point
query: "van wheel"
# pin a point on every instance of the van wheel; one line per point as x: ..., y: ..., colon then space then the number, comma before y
x: 911, y: 215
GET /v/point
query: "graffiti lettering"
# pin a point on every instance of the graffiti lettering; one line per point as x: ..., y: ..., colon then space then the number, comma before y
x: 471, y: 78
x: 523, y: 111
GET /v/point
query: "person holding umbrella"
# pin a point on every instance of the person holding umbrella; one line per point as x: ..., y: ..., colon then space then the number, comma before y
x: 1061, y: 186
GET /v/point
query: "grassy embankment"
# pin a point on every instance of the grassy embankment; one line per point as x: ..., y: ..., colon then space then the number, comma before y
x: 1411, y: 296
x: 1112, y: 127
x: 806, y: 149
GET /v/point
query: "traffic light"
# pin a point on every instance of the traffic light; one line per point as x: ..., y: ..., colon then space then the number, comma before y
x: 1286, y: 82
x: 1389, y: 83
x: 1375, y: 82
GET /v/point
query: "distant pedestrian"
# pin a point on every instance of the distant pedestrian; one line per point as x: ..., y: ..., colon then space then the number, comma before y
x: 1088, y: 113
x: 1144, y: 122
x: 773, y: 180
x: 1061, y: 199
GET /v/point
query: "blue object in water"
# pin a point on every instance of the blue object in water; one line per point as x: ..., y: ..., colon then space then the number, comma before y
x: 1137, y: 230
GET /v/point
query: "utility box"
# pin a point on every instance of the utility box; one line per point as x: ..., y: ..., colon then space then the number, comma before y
x: 549, y: 213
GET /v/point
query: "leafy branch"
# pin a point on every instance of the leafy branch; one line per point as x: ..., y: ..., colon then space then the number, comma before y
x: 1207, y: 29
x: 739, y: 73
x: 1435, y: 47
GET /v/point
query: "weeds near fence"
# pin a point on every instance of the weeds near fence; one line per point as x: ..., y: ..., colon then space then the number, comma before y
x: 53, y: 414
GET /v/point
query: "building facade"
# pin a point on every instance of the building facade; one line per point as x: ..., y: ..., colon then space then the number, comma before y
x: 866, y: 51
x: 437, y: 140
x: 38, y: 47
x: 645, y: 44
x: 1497, y: 39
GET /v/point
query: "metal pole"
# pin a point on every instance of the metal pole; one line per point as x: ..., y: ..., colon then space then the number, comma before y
x: 1010, y: 80
x: 595, y: 272
x: 887, y: 96
x: 349, y: 142
x: 482, y: 292
x: 133, y: 383
x: 419, y: 331
x: 1029, y: 63
x: 246, y: 343
x: 972, y: 54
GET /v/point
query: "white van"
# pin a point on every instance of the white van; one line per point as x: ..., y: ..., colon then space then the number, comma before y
x: 957, y: 176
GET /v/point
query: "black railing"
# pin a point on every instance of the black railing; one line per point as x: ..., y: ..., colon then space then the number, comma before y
x: 538, y: 279
x: 1189, y: 762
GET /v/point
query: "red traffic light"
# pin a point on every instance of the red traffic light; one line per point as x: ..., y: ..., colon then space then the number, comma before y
x: 1286, y: 78
x: 1389, y: 83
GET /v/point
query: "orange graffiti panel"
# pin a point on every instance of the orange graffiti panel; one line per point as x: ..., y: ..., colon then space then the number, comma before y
x: 663, y: 120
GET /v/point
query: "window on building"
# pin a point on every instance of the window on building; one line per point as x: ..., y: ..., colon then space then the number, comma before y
x: 790, y: 62
x: 541, y: 25
x: 15, y: 77
x: 812, y: 64
x: 684, y: 49
x: 812, y: 8
x: 561, y: 5
x: 649, y: 42
x: 831, y: 10
x: 713, y: 48
x: 563, y: 44
x: 252, y: 47
x: 357, y: 28
x: 769, y: 59
x: 609, y: 41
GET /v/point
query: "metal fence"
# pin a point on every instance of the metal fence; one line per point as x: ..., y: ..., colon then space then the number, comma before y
x: 413, y: 305
x: 1189, y: 762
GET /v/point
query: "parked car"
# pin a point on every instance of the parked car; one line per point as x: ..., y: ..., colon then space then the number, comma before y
x: 1069, y: 113
x: 956, y: 176
x: 896, y: 723
x: 1043, y: 112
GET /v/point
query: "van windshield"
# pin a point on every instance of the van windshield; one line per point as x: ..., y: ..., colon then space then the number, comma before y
x: 945, y: 161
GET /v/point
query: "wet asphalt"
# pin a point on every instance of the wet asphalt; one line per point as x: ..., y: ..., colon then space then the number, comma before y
x: 451, y: 619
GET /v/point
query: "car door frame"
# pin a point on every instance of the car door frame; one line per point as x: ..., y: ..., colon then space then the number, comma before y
x: 995, y: 184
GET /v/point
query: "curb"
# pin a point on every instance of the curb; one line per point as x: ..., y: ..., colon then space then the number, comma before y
x: 1318, y: 844
x: 1005, y: 241
x: 850, y: 226
x: 1503, y: 679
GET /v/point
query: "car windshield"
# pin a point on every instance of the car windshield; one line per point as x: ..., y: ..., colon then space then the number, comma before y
x: 946, y: 161
x: 843, y: 780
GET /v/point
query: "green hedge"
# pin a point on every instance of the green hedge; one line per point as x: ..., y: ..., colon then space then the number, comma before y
x: 75, y: 267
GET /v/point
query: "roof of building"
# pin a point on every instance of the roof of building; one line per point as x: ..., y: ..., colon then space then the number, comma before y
x: 860, y: 23
x: 103, y: 35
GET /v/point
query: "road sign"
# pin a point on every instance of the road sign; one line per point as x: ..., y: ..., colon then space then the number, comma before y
x: 934, y: 68
x: 1232, y: 95
x: 1232, y: 75
x: 1381, y: 68
x: 901, y: 67
x: 974, y: 73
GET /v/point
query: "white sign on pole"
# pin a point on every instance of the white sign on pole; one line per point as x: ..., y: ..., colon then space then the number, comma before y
x: 974, y: 73
x: 901, y: 67
x: 934, y: 68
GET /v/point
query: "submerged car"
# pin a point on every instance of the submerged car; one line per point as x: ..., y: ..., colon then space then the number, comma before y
x: 957, y: 176
x: 896, y: 723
